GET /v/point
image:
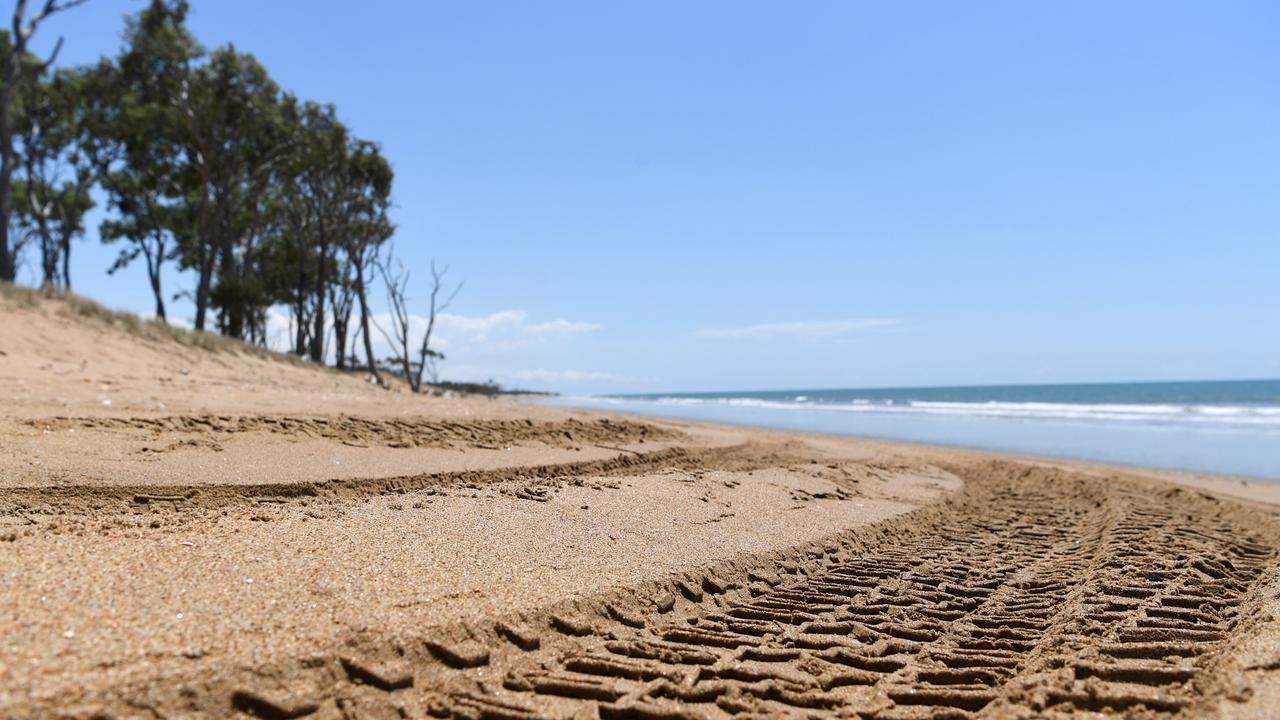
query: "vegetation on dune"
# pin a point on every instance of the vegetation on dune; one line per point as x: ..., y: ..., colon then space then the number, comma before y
x: 69, y: 305
x: 203, y: 163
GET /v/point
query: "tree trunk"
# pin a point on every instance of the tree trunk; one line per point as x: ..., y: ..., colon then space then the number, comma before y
x: 49, y: 263
x: 207, y: 231
x: 300, y: 327
x: 7, y: 261
x: 48, y: 255
x: 202, y: 287
x: 364, y: 324
x: 11, y: 71
x: 40, y: 212
x: 322, y: 279
x: 66, y: 262
x: 233, y: 311
x: 153, y: 273
x: 155, y: 286
x: 340, y: 340
x: 340, y: 302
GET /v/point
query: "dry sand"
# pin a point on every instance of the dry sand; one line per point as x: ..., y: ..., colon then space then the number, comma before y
x: 233, y: 534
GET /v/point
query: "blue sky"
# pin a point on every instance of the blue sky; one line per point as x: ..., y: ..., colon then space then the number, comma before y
x: 746, y: 195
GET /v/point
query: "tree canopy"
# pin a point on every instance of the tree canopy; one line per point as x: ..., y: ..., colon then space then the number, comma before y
x: 204, y: 164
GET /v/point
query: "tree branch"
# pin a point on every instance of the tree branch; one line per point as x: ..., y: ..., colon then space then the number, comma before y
x: 53, y: 56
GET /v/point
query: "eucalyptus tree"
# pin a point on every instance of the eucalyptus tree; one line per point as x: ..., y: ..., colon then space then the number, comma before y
x: 325, y: 182
x: 133, y: 138
x: 363, y: 193
x: 203, y: 161
x: 364, y: 252
x: 235, y: 141
x: 18, y: 70
x: 53, y: 195
x: 302, y: 208
x: 330, y: 218
x: 330, y: 183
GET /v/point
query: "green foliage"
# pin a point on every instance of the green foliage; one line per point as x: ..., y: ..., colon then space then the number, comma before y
x: 52, y: 196
x: 206, y: 164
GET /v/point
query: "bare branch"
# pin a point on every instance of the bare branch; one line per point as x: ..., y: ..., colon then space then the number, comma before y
x: 19, y: 14
x: 50, y: 7
x: 53, y: 56
x: 397, y: 283
x: 426, y: 356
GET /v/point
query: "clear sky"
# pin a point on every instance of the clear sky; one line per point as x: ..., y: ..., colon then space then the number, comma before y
x: 653, y: 195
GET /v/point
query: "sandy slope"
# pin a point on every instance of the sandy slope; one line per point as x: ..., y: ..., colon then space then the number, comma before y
x: 237, y: 534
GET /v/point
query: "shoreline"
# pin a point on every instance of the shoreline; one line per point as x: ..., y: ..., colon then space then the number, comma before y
x: 1260, y: 489
x: 787, y: 420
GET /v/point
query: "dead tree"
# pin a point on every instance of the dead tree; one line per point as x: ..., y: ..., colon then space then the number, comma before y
x: 396, y: 280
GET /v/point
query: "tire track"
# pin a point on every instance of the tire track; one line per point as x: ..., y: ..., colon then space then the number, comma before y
x: 532, y: 482
x: 1031, y: 601
x: 1032, y: 593
x: 383, y: 432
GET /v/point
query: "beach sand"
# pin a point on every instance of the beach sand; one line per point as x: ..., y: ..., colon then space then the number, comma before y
x: 191, y: 529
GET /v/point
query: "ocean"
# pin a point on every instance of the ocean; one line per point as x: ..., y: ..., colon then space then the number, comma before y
x: 1229, y: 427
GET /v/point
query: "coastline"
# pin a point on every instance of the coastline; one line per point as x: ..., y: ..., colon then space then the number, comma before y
x: 1232, y: 452
x: 1244, y: 487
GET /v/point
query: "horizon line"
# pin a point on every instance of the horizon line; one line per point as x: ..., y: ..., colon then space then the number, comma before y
x: 941, y: 387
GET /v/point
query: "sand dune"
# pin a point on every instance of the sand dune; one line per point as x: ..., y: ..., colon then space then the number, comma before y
x: 237, y: 534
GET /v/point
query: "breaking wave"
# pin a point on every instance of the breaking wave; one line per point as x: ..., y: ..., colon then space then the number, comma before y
x: 1257, y: 416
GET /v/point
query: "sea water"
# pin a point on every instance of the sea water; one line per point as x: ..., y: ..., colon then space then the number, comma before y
x: 1230, y: 427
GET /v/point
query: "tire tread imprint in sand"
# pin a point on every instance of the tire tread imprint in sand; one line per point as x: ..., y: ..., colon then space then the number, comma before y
x: 1090, y: 599
x: 1033, y: 593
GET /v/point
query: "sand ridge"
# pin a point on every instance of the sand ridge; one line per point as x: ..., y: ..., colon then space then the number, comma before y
x: 166, y: 585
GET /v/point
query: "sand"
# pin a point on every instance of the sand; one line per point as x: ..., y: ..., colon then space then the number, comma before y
x: 234, y: 534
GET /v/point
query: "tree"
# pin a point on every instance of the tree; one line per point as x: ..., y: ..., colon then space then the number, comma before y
x: 396, y: 279
x: 233, y: 138
x: 18, y: 72
x: 332, y: 218
x: 364, y: 191
x: 364, y: 259
x: 53, y: 195
x: 134, y: 143
x: 304, y: 206
x: 203, y: 161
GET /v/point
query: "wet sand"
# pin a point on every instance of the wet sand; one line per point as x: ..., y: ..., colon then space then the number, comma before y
x: 233, y: 534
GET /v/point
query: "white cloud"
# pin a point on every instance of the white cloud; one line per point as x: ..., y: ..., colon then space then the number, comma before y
x: 470, y: 329
x: 562, y: 328
x: 499, y: 332
x: 818, y: 329
x: 506, y: 327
